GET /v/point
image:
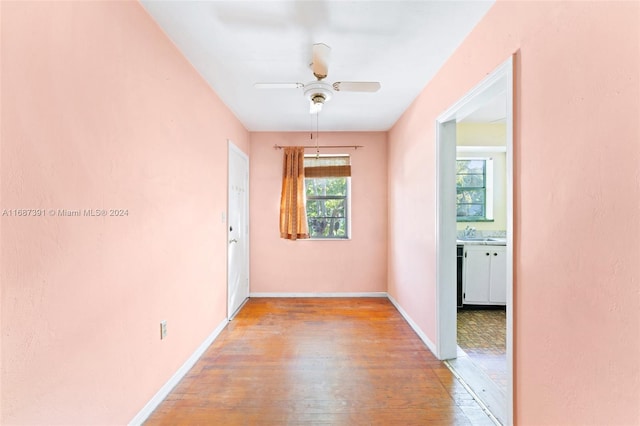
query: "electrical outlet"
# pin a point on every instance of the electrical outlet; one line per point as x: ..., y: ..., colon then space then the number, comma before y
x: 163, y: 329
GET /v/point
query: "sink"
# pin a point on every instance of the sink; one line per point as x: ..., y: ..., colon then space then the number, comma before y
x: 479, y: 239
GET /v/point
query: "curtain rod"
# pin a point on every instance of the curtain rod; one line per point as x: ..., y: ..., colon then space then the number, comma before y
x: 323, y: 146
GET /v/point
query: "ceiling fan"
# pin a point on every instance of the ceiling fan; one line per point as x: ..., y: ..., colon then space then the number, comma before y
x: 318, y: 91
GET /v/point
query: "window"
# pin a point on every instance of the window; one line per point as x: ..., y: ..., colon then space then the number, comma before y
x: 474, y: 184
x: 327, y: 182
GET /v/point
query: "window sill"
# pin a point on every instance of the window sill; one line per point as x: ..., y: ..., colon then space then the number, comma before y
x: 473, y: 219
x: 326, y: 239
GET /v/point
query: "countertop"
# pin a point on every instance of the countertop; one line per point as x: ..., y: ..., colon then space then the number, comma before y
x: 484, y: 242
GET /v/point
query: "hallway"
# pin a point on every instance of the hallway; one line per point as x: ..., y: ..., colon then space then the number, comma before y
x: 319, y: 361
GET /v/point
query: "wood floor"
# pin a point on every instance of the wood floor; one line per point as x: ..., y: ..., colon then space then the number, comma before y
x: 351, y: 361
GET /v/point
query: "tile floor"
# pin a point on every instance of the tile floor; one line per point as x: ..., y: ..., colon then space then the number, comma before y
x: 482, y: 336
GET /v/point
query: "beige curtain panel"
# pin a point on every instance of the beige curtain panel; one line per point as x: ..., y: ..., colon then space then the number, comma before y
x: 293, y: 214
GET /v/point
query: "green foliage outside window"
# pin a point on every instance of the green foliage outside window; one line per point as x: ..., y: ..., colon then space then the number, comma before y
x: 327, y: 207
x: 471, y: 189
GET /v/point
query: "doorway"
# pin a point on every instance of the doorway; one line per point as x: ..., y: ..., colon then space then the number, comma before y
x: 237, y: 230
x: 500, y: 80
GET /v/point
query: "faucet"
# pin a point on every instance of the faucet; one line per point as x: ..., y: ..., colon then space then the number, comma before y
x: 469, y: 232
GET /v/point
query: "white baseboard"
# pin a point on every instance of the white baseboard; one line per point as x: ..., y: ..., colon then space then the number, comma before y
x: 415, y: 327
x: 364, y: 294
x: 175, y: 379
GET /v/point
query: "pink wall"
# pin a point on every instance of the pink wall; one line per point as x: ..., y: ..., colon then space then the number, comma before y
x: 99, y: 110
x: 357, y: 265
x: 577, y: 168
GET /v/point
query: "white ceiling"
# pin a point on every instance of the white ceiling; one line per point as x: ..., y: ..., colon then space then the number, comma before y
x: 234, y: 44
x: 493, y: 110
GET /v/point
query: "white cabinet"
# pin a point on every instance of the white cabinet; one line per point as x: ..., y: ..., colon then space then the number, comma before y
x: 485, y: 275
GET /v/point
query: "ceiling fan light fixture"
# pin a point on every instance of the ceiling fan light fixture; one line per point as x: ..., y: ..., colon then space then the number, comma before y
x: 316, y: 102
x: 318, y: 92
x: 315, y: 108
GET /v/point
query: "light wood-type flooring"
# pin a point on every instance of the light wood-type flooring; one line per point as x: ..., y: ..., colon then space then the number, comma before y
x: 319, y: 361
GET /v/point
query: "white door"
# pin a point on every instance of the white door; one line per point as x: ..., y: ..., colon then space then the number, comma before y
x: 237, y: 230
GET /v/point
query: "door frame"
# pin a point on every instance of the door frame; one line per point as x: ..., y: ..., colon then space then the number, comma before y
x: 446, y: 341
x: 232, y: 148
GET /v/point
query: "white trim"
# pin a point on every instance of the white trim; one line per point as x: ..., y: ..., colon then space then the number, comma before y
x: 430, y: 345
x: 500, y: 80
x: 510, y: 72
x: 175, y: 379
x: 332, y: 294
x: 446, y: 347
x: 488, y: 187
x: 484, y: 91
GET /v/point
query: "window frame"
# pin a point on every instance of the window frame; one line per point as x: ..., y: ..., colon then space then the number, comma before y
x: 346, y: 198
x: 488, y: 190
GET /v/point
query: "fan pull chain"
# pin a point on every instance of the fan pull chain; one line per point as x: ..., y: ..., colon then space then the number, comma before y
x: 317, y: 137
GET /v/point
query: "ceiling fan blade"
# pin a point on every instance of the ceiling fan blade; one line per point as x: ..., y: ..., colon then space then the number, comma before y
x: 320, y: 60
x: 278, y: 85
x: 356, y: 86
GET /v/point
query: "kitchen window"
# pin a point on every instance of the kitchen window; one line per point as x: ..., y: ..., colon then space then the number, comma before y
x: 327, y: 187
x: 474, y: 185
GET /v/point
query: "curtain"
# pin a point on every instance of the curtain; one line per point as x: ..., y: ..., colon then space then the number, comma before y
x: 293, y: 214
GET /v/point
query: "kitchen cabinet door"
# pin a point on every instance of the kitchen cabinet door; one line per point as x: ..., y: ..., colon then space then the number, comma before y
x: 477, y: 264
x: 498, y: 275
x: 485, y: 275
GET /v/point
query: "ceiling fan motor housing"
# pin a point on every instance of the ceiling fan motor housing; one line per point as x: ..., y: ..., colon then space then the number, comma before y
x: 318, y: 92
